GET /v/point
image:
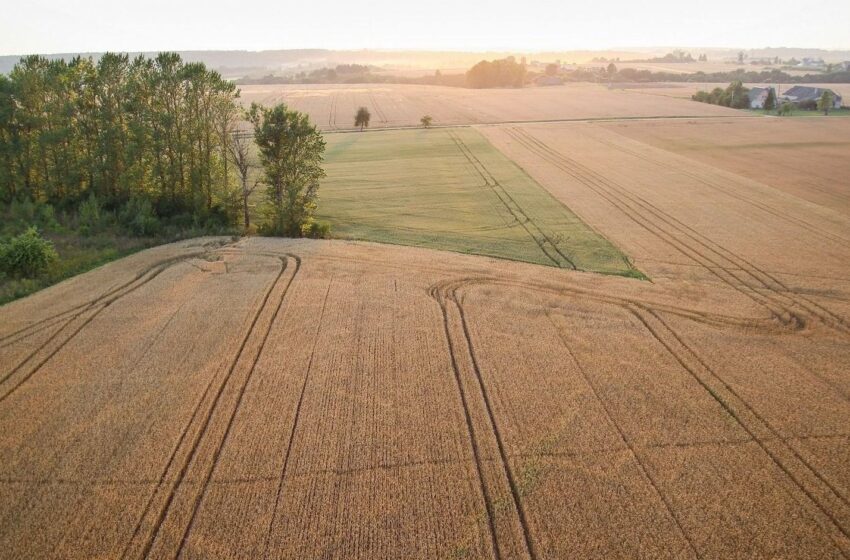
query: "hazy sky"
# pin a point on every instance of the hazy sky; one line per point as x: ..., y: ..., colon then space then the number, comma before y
x: 46, y: 26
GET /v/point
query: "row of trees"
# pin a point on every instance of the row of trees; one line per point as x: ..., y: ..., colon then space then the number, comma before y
x: 119, y: 128
x: 151, y: 133
x: 735, y: 96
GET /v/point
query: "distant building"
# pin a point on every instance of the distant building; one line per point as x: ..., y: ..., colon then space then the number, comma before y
x: 802, y: 94
x: 812, y: 63
x: 758, y: 96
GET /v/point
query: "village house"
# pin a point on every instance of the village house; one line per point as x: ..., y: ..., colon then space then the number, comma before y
x: 803, y: 94
x: 759, y: 95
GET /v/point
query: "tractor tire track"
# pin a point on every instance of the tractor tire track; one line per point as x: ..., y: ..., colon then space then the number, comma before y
x: 541, y: 239
x: 451, y: 295
x: 719, y: 187
x: 777, y: 293
x: 82, y: 307
x: 620, y: 201
x: 231, y: 419
x: 295, y: 420
x: 646, y: 474
x: 144, y: 543
x: 439, y: 297
x: 755, y: 272
x: 99, y: 306
x: 815, y: 487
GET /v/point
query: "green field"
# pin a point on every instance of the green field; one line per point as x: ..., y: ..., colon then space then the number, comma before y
x: 450, y: 189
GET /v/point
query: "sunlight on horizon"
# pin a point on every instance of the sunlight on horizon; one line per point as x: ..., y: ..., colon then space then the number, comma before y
x: 50, y: 26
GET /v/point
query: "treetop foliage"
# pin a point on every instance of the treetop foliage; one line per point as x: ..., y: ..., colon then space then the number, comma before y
x: 153, y: 128
x: 506, y: 72
x: 291, y: 151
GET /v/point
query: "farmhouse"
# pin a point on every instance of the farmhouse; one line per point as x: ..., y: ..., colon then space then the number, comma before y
x: 802, y: 94
x: 759, y: 95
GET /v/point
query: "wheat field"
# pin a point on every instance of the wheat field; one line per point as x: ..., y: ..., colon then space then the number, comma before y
x: 272, y: 398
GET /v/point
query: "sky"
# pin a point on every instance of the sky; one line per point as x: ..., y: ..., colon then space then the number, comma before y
x: 52, y: 26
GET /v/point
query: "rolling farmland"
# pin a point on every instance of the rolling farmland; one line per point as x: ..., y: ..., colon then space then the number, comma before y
x: 332, y: 107
x: 271, y: 398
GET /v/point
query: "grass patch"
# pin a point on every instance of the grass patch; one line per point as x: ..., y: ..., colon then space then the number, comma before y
x: 419, y: 188
x: 76, y: 255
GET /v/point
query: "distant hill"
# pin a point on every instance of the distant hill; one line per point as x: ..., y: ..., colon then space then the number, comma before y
x: 240, y: 64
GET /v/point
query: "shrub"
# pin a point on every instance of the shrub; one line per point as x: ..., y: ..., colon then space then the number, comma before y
x: 138, y: 218
x: 90, y: 216
x: 25, y: 213
x: 316, y: 230
x: 27, y: 254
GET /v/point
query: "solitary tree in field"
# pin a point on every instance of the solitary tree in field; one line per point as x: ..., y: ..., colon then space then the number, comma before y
x: 291, y: 151
x: 426, y: 121
x: 362, y: 117
x: 825, y: 102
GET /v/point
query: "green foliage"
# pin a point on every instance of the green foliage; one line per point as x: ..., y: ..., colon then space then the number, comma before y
x: 90, y: 216
x: 506, y: 72
x: 362, y: 118
x: 24, y: 213
x: 27, y: 254
x: 825, y: 102
x: 770, y: 102
x: 116, y: 129
x: 419, y: 189
x: 291, y: 152
x: 316, y: 230
x: 735, y: 96
x: 137, y: 216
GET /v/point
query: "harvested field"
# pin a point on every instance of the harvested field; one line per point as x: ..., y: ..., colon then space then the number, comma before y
x: 332, y: 107
x: 806, y: 158
x: 275, y: 398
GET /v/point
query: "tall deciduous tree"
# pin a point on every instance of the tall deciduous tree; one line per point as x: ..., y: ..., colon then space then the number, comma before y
x: 239, y: 153
x: 291, y: 152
